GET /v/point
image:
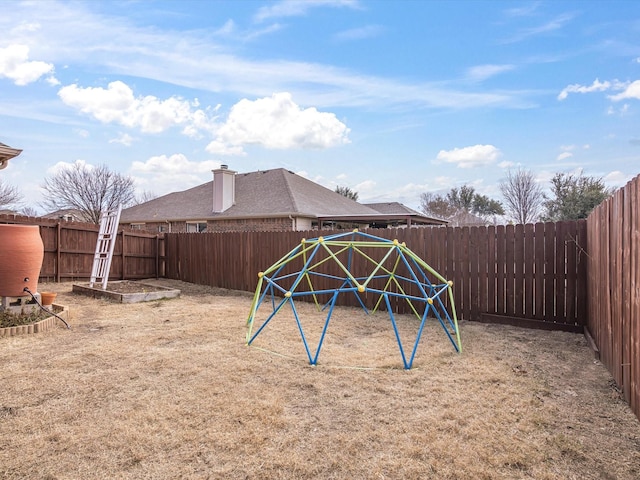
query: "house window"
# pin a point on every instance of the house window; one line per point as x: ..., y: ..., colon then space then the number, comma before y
x: 162, y: 228
x: 196, y: 227
x: 137, y: 226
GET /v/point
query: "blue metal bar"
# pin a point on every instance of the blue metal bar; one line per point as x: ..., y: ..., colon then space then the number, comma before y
x: 273, y: 314
x: 419, y: 335
x: 395, y: 330
x: 324, y: 329
x: 304, y: 339
x: 446, y: 330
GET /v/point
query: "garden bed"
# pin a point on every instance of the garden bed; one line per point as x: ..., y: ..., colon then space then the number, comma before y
x: 38, y: 322
x: 127, y: 291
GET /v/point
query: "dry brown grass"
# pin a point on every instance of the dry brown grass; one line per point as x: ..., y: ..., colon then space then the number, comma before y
x: 168, y: 389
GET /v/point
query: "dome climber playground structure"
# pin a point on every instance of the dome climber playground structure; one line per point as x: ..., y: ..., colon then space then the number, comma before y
x: 380, y: 271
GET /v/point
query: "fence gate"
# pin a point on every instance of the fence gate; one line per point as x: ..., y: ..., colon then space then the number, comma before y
x: 104, y: 246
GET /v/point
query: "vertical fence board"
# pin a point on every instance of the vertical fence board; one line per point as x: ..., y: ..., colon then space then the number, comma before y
x: 500, y: 269
x: 560, y: 269
x: 625, y: 226
x: 529, y: 262
x: 483, y: 273
x: 492, y: 297
x: 509, y: 277
x: 519, y: 259
x: 539, y: 268
x: 571, y: 269
x: 549, y: 272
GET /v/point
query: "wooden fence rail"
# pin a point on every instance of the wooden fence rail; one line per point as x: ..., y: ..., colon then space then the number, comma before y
x: 532, y: 275
x: 69, y: 248
x: 614, y: 287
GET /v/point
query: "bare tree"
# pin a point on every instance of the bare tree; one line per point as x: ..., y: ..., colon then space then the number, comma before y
x: 29, y: 211
x: 144, y: 197
x: 90, y: 190
x: 9, y: 195
x: 523, y: 196
x: 436, y: 205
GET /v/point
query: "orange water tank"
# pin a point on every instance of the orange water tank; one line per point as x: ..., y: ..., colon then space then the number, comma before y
x: 21, y: 255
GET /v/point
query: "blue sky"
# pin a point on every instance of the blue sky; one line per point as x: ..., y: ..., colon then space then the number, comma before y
x: 389, y: 98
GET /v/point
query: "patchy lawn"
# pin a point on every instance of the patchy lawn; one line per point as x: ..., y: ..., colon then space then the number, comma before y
x: 168, y: 389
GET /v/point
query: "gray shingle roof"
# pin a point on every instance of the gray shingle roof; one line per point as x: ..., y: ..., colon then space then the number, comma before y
x: 392, y: 207
x: 261, y: 194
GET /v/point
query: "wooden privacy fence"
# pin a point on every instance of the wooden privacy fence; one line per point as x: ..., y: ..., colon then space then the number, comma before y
x: 614, y: 287
x: 69, y: 249
x: 532, y: 275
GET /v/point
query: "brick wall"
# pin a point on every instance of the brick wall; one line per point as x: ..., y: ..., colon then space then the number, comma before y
x: 251, y: 225
x: 283, y: 224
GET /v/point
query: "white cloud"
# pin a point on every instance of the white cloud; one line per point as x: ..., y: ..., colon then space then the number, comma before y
x: 470, y: 157
x: 73, y: 34
x: 56, y: 168
x: 163, y: 174
x: 365, y: 186
x: 564, y: 156
x: 596, y: 86
x: 277, y: 122
x: 219, y: 147
x: 506, y: 164
x: 524, y: 11
x: 117, y: 104
x: 482, y: 72
x: 81, y: 132
x: 296, y: 8
x: 15, y: 65
x: 360, y: 33
x: 616, y: 179
x: 551, y: 26
x: 124, y: 138
x: 631, y: 91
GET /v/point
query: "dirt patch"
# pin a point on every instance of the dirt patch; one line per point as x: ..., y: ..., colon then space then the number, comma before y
x: 132, y: 287
x: 126, y: 286
x: 168, y: 389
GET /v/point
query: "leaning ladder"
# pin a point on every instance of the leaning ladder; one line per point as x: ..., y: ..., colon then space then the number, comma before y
x: 104, y: 247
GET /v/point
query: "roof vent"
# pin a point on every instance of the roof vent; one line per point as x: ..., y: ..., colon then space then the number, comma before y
x: 224, y: 167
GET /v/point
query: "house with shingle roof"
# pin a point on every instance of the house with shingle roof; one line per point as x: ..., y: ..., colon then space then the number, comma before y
x: 266, y: 200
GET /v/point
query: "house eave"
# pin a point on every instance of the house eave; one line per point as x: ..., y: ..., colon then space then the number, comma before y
x: 368, y: 218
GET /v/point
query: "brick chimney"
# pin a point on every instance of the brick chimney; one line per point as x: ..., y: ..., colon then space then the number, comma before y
x: 224, y: 188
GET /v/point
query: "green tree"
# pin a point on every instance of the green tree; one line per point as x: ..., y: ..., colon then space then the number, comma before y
x: 459, y: 200
x: 347, y: 192
x: 523, y: 196
x: 91, y: 190
x: 573, y: 197
x: 462, y: 198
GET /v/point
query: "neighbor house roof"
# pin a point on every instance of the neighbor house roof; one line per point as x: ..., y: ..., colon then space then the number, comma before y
x: 402, y: 211
x: 66, y: 213
x: 262, y: 194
